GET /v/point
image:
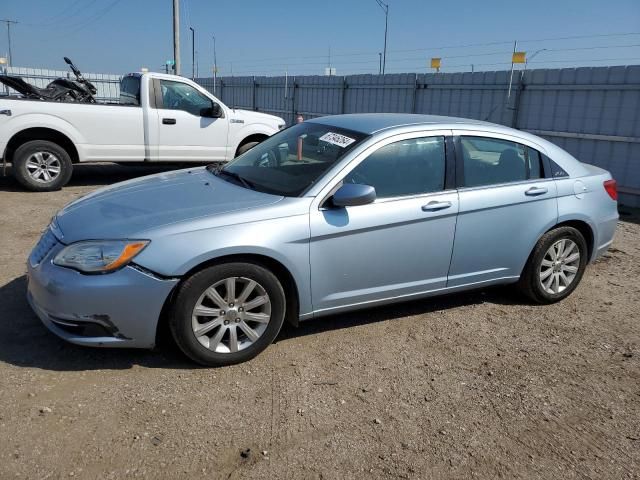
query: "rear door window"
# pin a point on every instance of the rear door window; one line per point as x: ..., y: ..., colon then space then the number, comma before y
x: 490, y: 161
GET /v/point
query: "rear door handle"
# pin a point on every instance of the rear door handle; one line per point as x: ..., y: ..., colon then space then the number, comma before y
x: 533, y: 191
x: 6, y: 112
x: 435, y: 206
x: 169, y: 121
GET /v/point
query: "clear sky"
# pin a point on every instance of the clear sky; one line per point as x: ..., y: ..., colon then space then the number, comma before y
x: 257, y: 37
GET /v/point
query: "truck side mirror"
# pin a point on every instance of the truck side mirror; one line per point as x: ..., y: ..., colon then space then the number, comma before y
x: 214, y: 111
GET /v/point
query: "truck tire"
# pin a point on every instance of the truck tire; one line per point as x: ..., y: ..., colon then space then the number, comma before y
x: 42, y: 166
x: 246, y: 147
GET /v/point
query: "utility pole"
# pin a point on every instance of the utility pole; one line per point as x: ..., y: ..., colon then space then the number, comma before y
x: 176, y: 36
x: 385, y: 9
x: 215, y: 65
x: 193, y: 53
x: 9, y: 22
x: 515, y: 47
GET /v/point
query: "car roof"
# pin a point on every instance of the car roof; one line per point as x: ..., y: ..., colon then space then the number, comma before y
x: 386, y: 123
x: 370, y: 123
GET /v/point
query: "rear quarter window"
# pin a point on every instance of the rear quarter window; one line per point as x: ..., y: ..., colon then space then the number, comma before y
x: 130, y: 91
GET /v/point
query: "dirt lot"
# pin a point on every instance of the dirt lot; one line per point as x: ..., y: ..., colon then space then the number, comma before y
x: 476, y: 384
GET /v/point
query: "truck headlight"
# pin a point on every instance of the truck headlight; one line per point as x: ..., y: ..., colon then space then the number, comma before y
x: 99, y: 256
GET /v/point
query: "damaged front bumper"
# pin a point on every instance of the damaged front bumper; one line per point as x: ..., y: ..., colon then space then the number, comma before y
x: 119, y: 309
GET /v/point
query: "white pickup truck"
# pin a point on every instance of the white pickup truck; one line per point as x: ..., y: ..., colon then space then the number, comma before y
x: 159, y: 118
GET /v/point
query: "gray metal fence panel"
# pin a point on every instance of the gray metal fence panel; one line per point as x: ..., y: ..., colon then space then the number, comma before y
x: 592, y: 112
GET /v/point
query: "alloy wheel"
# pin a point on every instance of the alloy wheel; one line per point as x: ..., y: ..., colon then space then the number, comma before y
x: 559, y: 266
x: 231, y: 315
x: 43, y: 167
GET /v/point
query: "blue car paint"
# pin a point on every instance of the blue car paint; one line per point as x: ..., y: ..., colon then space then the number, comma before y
x: 340, y: 259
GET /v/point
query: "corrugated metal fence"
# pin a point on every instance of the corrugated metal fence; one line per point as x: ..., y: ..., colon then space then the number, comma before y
x: 108, y: 85
x: 592, y: 112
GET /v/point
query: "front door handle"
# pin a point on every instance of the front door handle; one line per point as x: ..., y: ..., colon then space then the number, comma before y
x: 533, y: 191
x: 169, y: 121
x: 435, y: 206
x: 6, y: 112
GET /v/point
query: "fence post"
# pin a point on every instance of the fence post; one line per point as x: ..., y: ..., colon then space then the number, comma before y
x: 293, y: 100
x: 253, y: 93
x: 415, y: 93
x: 516, y: 103
x: 343, y: 94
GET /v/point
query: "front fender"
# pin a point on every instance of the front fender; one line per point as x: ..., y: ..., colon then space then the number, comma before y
x: 285, y: 240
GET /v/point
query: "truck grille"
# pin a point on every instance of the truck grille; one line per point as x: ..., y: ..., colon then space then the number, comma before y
x: 43, y: 247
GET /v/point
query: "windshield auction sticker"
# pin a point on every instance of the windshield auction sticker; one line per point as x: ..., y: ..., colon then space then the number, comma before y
x: 337, y: 139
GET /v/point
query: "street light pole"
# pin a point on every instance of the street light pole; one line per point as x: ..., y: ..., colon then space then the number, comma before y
x: 380, y: 58
x: 176, y: 36
x: 215, y: 65
x: 193, y: 53
x: 9, y: 22
x: 385, y: 9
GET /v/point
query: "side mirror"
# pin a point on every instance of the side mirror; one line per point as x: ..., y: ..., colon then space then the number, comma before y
x: 354, y: 194
x: 214, y: 111
x: 67, y: 61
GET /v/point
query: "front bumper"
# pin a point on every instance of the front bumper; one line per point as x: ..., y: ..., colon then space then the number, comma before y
x: 119, y: 309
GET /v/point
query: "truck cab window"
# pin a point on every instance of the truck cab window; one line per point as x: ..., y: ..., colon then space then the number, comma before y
x: 180, y: 96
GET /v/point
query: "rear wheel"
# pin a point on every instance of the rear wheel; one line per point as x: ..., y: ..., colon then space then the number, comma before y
x: 42, y: 166
x: 555, y: 266
x: 227, y: 313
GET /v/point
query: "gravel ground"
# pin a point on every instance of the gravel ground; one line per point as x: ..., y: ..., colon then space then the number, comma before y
x: 477, y: 384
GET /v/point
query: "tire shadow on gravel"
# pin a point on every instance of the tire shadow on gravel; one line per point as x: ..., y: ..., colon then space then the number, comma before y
x: 25, y: 342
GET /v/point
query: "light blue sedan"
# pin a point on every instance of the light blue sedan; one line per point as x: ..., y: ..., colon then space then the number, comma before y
x: 330, y: 215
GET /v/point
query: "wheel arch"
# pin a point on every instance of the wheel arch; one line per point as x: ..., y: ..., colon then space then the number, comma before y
x: 254, y: 137
x: 584, y: 228
x: 41, y: 133
x: 283, y: 274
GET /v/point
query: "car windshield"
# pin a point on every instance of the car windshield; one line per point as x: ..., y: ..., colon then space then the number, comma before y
x: 292, y: 160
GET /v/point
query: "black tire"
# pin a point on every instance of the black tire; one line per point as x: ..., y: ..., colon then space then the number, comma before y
x: 530, y: 283
x: 246, y: 147
x: 25, y: 151
x: 180, y: 319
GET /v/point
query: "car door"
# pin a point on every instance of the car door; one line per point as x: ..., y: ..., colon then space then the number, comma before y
x: 184, y: 133
x: 400, y: 245
x: 506, y: 204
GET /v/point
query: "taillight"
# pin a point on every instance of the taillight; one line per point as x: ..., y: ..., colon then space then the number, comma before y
x: 611, y: 187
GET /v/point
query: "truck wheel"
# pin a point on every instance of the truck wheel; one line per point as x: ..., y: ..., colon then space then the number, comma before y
x: 246, y: 147
x: 42, y: 166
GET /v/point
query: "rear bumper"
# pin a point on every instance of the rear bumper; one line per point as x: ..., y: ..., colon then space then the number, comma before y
x: 120, y: 309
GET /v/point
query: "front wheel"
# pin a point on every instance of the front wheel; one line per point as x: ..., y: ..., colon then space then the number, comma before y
x: 227, y: 313
x: 42, y: 166
x: 555, y: 266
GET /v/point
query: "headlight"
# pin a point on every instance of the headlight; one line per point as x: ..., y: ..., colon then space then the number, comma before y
x: 282, y: 126
x: 99, y: 256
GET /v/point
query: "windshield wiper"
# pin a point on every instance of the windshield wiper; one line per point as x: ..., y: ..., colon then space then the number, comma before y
x: 220, y: 171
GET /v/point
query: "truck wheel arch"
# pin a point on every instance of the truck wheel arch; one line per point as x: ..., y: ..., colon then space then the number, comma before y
x: 256, y: 137
x: 41, y: 133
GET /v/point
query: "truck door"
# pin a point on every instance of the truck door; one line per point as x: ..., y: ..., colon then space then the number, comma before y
x: 186, y: 131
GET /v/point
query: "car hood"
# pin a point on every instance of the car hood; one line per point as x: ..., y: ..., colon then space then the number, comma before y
x: 126, y: 209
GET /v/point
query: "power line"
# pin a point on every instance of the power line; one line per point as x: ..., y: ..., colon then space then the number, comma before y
x: 444, y: 47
